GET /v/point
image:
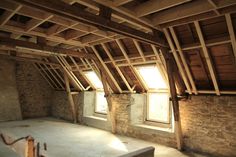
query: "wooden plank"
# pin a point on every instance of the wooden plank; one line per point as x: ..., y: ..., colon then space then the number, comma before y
x: 207, y: 57
x: 121, y: 2
x: 186, y: 67
x: 153, y: 6
x: 231, y: 33
x: 62, y: 9
x: 182, y: 11
x: 177, y: 60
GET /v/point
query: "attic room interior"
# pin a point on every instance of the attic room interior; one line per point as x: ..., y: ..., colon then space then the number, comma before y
x: 117, y: 78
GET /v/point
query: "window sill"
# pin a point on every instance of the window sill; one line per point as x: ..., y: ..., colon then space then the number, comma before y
x: 96, y: 118
x: 155, y: 128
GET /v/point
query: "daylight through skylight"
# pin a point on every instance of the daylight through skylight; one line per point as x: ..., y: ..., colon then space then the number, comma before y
x: 152, y: 77
x: 93, y: 78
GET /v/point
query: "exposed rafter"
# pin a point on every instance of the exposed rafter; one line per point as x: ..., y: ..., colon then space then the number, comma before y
x: 207, y: 57
x: 231, y: 33
x: 172, y: 47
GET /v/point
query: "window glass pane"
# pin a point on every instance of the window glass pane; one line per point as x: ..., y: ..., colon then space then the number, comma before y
x: 101, y: 103
x: 93, y: 78
x: 152, y: 77
x: 158, y: 107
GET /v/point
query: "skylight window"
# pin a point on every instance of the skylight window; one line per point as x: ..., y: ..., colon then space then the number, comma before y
x: 93, y: 78
x: 152, y: 77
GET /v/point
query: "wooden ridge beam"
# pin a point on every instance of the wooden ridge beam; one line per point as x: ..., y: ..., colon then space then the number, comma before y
x: 207, y: 57
x: 62, y: 9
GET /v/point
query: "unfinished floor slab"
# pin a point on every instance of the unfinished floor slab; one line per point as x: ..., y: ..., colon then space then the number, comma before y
x: 72, y: 140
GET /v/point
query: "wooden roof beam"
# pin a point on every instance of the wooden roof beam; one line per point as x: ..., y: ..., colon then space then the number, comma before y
x: 122, y: 48
x: 62, y: 9
x: 186, y: 67
x: 207, y: 57
x: 40, y: 15
x: 117, y: 68
x: 106, y: 69
x: 172, y: 47
x: 231, y: 33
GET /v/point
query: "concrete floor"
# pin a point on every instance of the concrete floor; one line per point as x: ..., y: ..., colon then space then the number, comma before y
x: 71, y: 140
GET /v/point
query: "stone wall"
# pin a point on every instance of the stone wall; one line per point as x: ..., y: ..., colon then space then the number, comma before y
x: 61, y: 106
x: 9, y: 99
x: 34, y: 92
x: 209, y: 124
x: 125, y: 125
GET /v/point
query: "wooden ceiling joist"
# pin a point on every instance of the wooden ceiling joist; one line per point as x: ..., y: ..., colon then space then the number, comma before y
x: 71, y: 12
